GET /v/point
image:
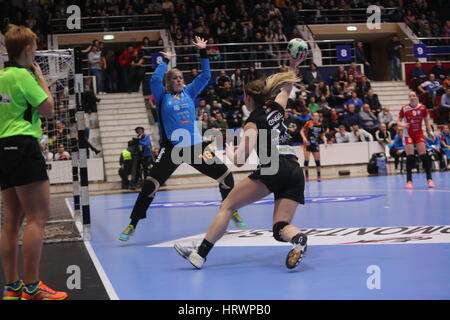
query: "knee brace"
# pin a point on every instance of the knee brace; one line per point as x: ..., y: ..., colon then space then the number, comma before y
x: 317, y: 163
x: 226, y: 181
x: 306, y: 163
x: 277, y: 227
x: 150, y: 187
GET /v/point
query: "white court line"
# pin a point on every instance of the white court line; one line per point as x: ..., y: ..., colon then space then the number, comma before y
x: 98, y: 266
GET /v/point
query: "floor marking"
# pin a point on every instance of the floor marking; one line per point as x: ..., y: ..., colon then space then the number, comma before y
x: 98, y: 266
x: 328, y: 236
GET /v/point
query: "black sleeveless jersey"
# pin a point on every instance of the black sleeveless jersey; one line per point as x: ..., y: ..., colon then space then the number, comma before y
x: 268, y: 118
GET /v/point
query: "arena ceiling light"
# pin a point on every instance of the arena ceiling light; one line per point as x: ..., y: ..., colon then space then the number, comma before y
x: 108, y: 37
x: 352, y: 28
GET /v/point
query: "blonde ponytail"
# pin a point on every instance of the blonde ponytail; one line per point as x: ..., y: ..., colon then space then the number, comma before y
x: 260, y: 90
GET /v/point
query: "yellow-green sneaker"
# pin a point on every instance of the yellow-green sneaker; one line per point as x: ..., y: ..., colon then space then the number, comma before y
x: 127, y: 233
x: 238, y: 221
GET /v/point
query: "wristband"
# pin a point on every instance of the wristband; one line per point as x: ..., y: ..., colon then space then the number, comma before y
x: 203, y: 54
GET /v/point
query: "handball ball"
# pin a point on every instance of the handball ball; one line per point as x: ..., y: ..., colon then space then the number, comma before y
x: 296, y: 46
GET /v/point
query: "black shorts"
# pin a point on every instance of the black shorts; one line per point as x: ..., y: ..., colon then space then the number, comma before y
x: 313, y: 147
x: 287, y: 183
x: 21, y: 162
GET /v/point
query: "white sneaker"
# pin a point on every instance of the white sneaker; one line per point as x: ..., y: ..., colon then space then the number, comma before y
x: 191, y: 255
x: 297, y: 252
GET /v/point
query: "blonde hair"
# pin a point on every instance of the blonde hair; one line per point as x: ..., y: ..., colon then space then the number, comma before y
x: 16, y: 39
x: 167, y: 78
x: 260, y: 90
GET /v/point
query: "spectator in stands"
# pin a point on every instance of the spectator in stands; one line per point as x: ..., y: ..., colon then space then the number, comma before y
x: 355, y: 101
x: 313, y: 106
x: 62, y: 154
x: 354, y: 71
x: 202, y: 108
x: 312, y: 76
x: 216, y: 106
x: 342, y: 136
x: 324, y: 106
x: 397, y: 149
x: 112, y: 65
x: 369, y: 121
x: 350, y: 85
x: 439, y: 71
x: 322, y: 90
x: 95, y: 69
x: 125, y: 59
x: 334, y: 119
x: 211, y: 95
x: 411, y: 20
x: 234, y: 118
x: 350, y: 118
x: 137, y: 71
x: 95, y: 43
x: 383, y: 136
x: 222, y: 78
x: 341, y: 76
x: 48, y: 156
x: 337, y: 97
x: 445, y: 105
x: 445, y: 141
x: 303, y: 116
x: 89, y: 99
x: 419, y: 74
x: 237, y: 80
x: 363, y: 86
x: 252, y: 74
x: 126, y: 164
x: 386, y: 117
x: 394, y: 52
x: 219, y: 123
x: 228, y: 97
x: 434, y: 150
x: 206, y: 123
x: 430, y: 86
x: 360, y: 135
x: 361, y: 58
x: 372, y: 100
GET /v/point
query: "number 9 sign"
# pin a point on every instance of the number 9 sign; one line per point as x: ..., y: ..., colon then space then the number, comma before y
x: 343, y: 53
x: 420, y: 50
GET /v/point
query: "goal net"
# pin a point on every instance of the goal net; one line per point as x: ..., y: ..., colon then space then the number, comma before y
x: 63, y: 147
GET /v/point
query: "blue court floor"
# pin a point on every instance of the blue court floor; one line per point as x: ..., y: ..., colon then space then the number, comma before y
x: 369, y: 238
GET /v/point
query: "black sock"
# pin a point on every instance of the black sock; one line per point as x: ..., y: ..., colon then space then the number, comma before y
x: 204, y: 248
x: 426, y: 165
x: 134, y: 222
x: 409, y: 166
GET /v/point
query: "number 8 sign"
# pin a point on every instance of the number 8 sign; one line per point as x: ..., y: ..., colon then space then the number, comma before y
x: 157, y: 58
x: 343, y: 53
x: 420, y: 50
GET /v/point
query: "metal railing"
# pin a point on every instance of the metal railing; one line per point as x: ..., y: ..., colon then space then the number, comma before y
x: 359, y: 15
x: 111, y: 23
x: 262, y: 55
x: 242, y: 55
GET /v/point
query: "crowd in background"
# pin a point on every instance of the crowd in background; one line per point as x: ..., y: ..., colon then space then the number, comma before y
x: 227, y: 21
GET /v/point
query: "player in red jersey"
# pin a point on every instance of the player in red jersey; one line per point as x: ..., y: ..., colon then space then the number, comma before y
x: 410, y: 119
